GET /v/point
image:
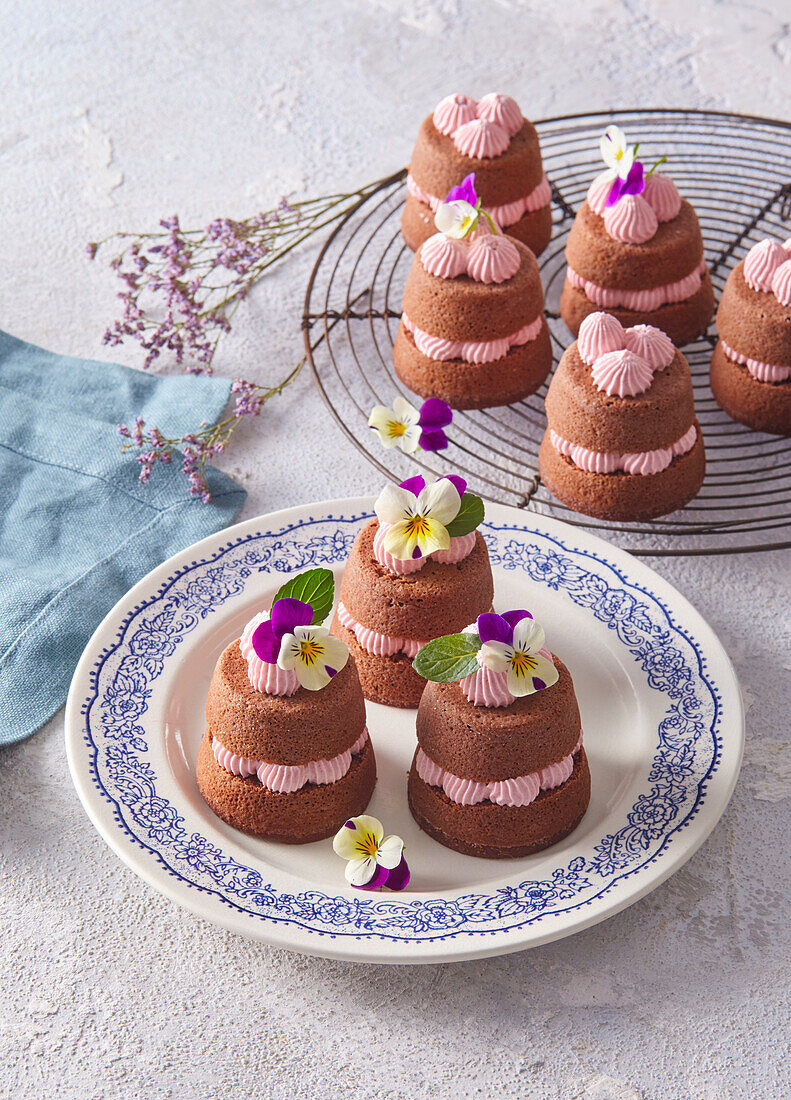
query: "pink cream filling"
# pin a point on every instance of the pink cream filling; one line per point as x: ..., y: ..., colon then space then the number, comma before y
x: 640, y: 462
x: 645, y: 301
x: 287, y: 778
x: 505, y: 792
x: 461, y: 546
x: 763, y: 372
x: 506, y: 215
x: 263, y: 676
x: 476, y: 352
x: 380, y: 645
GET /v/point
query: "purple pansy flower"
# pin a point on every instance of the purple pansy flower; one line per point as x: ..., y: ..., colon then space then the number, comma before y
x: 374, y: 860
x: 287, y: 614
x: 514, y: 643
x: 464, y: 191
x: 633, y: 184
x: 412, y: 429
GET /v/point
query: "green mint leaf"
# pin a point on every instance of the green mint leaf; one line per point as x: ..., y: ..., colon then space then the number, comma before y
x: 316, y: 587
x: 447, y: 659
x: 469, y: 517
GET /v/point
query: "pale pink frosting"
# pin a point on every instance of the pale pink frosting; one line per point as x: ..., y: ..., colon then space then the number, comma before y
x: 660, y: 193
x: 453, y: 111
x: 662, y: 196
x: 631, y: 220
x: 492, y: 259
x: 651, y: 344
x: 600, y: 333
x: 622, y: 373
x: 481, y: 139
x: 781, y: 283
x: 507, y: 214
x: 484, y: 257
x: 761, y: 262
x: 482, y: 351
x: 443, y: 256
x: 287, y: 778
x: 263, y: 676
x: 460, y: 547
x: 644, y: 301
x: 499, y: 108
x: 520, y: 791
x: 608, y: 462
x: 764, y: 372
x: 381, y: 645
x: 485, y: 688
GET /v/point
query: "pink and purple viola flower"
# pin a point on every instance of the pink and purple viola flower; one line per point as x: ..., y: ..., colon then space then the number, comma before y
x: 412, y: 429
x: 373, y: 859
x: 289, y: 639
x: 417, y: 515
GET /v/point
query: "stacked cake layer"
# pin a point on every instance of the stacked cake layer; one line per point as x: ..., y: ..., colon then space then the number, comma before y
x: 490, y: 138
x: 473, y: 339
x: 751, y: 365
x: 502, y: 779
x: 290, y: 767
x: 384, y: 617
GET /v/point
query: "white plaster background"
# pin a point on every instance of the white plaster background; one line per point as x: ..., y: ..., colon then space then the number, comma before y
x: 116, y: 114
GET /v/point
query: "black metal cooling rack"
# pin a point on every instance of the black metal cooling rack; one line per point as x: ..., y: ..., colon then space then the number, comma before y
x: 736, y: 171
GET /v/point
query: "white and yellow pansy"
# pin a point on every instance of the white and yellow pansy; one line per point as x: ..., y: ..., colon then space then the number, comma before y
x: 397, y: 427
x: 616, y: 152
x: 417, y: 523
x: 374, y: 859
x: 313, y: 654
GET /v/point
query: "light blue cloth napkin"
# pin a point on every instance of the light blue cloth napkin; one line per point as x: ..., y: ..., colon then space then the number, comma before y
x: 76, y: 527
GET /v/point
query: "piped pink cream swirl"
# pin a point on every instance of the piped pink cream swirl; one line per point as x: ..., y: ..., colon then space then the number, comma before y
x: 622, y: 373
x: 639, y: 462
x: 461, y: 546
x: 486, y: 258
x: 761, y: 262
x: 475, y: 352
x: 380, y: 645
x: 481, y: 139
x: 631, y: 220
x: 263, y: 676
x: 660, y: 193
x: 287, y: 778
x: 485, y: 688
x: 505, y: 215
x: 453, y: 111
x: 520, y: 791
x: 644, y: 301
x: 763, y: 372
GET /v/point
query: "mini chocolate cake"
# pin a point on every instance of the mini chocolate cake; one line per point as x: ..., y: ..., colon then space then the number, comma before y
x: 280, y: 758
x: 473, y: 331
x: 635, y: 250
x: 499, y: 770
x: 622, y: 441
x: 392, y: 605
x: 491, y: 139
x: 751, y: 366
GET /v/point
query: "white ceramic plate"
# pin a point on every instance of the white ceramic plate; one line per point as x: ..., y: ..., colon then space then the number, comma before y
x: 661, y: 710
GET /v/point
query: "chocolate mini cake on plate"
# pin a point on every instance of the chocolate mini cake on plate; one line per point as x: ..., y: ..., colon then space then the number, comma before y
x: 488, y: 137
x: 751, y: 366
x: 473, y: 331
x: 635, y: 250
x: 286, y: 753
x: 622, y: 441
x: 417, y: 571
x: 499, y: 769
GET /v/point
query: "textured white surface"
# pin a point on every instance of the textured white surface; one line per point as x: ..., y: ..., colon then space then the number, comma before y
x: 117, y: 114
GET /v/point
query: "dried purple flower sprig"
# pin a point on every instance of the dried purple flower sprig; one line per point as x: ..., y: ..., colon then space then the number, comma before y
x: 181, y: 288
x: 199, y: 447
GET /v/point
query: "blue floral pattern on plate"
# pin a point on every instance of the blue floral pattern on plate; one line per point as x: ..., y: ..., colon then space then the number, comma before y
x: 687, y: 750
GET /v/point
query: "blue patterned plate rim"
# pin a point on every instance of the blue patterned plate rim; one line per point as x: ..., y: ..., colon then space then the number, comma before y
x: 688, y: 785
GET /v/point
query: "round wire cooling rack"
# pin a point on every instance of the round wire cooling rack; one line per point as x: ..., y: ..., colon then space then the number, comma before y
x: 734, y: 169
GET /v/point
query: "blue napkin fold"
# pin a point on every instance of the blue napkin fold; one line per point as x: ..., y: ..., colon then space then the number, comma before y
x: 77, y: 530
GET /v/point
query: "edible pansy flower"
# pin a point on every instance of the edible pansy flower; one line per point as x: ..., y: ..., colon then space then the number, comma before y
x: 313, y: 654
x: 374, y: 860
x: 616, y: 152
x: 461, y: 211
x: 417, y: 514
x: 412, y: 429
x: 512, y: 643
x: 286, y: 615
